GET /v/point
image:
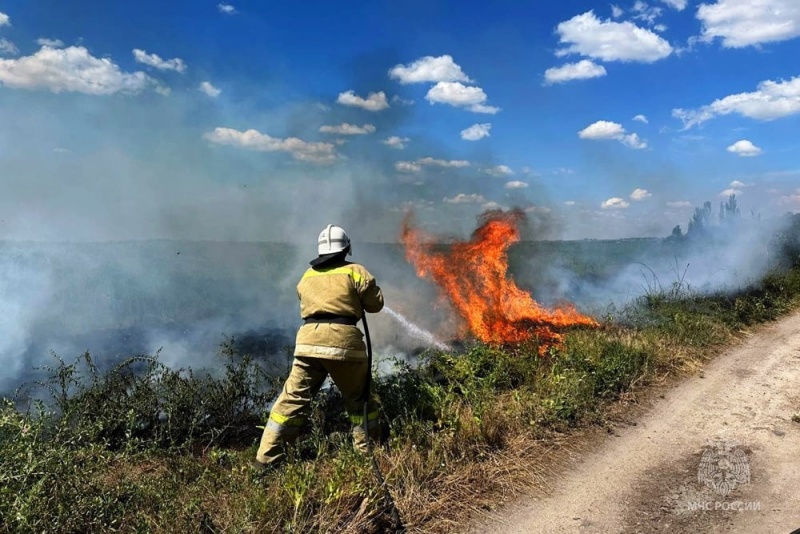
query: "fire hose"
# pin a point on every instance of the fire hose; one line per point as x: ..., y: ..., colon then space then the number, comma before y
x: 397, y: 523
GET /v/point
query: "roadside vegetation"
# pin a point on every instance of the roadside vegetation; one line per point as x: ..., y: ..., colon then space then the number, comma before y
x: 145, y: 448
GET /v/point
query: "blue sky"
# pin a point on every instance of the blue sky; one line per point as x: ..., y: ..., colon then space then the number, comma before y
x: 261, y: 121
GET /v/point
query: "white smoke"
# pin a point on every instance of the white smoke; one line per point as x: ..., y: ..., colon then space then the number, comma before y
x: 726, y: 261
x: 24, y: 294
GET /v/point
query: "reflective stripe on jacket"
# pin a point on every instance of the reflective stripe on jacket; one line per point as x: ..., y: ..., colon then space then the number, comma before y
x: 344, y: 289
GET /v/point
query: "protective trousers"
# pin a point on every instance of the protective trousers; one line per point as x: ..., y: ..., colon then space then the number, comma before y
x: 291, y: 409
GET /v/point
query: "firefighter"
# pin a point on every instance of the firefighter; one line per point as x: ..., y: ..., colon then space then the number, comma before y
x: 334, y: 294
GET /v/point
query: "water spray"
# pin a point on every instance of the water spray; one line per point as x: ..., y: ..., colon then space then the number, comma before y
x: 415, y: 331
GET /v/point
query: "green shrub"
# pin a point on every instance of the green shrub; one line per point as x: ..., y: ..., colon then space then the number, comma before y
x: 143, y: 403
x: 618, y: 367
x: 566, y: 396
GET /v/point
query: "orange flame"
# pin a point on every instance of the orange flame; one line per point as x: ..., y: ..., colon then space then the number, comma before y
x: 473, y: 276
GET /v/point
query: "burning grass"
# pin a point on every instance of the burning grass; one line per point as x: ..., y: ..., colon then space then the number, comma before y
x: 473, y: 277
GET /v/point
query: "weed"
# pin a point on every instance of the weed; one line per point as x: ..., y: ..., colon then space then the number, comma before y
x: 144, y: 448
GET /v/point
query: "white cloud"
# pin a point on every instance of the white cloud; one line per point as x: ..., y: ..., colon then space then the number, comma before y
x: 680, y: 5
x: 602, y: 130
x: 499, y: 170
x: 744, y: 148
x: 737, y: 184
x: 5, y: 20
x: 730, y: 191
x: 640, y: 194
x: 582, y: 70
x: 537, y: 209
x: 416, y: 166
x: 455, y: 94
x: 633, y: 141
x: 255, y: 140
x: 482, y: 108
x: 641, y: 118
x: 429, y: 69
x: 52, y: 43
x: 431, y: 162
x: 7, y: 48
x: 459, y: 95
x: 616, y: 11
x: 227, y: 9
x: 610, y: 41
x: 398, y: 101
x: 645, y: 12
x: 396, y: 142
x: 155, y: 61
x: 476, y: 132
x: 407, y: 166
x: 772, y: 100
x: 515, y: 184
x: 210, y: 90
x: 569, y: 202
x: 463, y: 198
x: 741, y: 23
x: 70, y: 69
x: 529, y: 172
x: 373, y: 102
x: 348, y: 129
x: 614, y: 204
x: 679, y: 204
x: 492, y: 205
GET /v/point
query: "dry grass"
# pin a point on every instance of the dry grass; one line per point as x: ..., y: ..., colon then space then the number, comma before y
x: 471, y: 430
x: 440, y: 503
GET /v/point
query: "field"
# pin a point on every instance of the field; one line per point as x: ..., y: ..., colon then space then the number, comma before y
x: 135, y: 444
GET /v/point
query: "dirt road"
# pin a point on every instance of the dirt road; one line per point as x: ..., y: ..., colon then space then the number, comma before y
x: 719, y: 453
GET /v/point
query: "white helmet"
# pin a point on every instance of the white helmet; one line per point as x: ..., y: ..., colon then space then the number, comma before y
x: 333, y: 239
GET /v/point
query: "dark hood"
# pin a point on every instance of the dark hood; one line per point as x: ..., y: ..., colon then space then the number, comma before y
x: 327, y: 260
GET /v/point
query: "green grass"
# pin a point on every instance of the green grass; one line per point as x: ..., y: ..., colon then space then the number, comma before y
x: 145, y: 448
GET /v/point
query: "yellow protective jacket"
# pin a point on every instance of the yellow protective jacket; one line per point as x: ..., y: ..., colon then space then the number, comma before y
x: 345, y: 289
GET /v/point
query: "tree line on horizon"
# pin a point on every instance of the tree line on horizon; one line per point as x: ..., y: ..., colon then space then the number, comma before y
x: 703, y: 225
